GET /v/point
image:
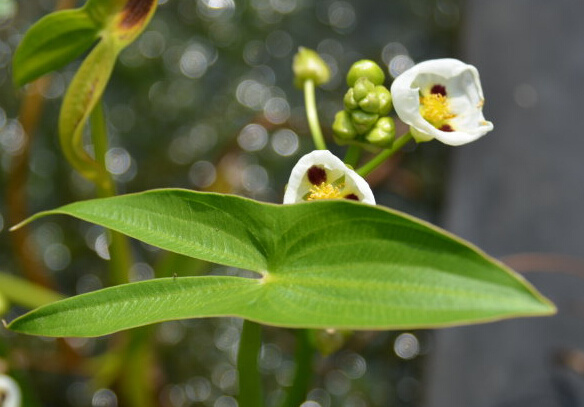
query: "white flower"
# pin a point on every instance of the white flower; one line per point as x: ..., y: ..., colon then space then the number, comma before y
x: 441, y: 99
x: 9, y: 391
x: 321, y: 175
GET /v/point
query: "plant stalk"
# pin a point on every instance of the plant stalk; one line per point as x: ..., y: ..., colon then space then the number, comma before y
x: 312, y: 115
x: 120, y: 254
x: 353, y: 155
x: 303, y: 374
x: 384, y: 155
x: 250, y: 386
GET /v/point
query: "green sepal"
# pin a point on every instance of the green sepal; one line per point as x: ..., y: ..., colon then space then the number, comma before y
x: 363, y: 121
x: 349, y: 100
x: 362, y: 88
x: 343, y: 126
x: 385, y: 100
x: 383, y: 133
x: 370, y: 103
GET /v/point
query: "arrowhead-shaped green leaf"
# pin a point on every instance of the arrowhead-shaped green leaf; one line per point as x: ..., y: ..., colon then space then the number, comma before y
x: 323, y: 264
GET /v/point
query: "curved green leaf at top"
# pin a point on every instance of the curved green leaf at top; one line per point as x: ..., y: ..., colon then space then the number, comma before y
x: 60, y: 37
x: 81, y: 97
x: 322, y: 264
x: 122, y: 21
x: 51, y: 43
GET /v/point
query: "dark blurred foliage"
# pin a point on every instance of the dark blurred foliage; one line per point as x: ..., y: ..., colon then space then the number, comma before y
x: 204, y: 100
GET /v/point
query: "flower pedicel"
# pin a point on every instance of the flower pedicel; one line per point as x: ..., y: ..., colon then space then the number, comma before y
x: 441, y: 99
x: 322, y: 175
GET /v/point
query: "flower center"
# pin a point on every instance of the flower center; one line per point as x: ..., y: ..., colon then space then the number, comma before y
x: 324, y: 191
x: 435, y: 109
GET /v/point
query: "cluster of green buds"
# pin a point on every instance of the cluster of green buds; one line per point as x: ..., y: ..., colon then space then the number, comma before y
x: 365, y: 120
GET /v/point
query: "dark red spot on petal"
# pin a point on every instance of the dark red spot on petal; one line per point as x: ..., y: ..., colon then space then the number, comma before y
x: 446, y: 127
x: 352, y: 197
x: 438, y: 90
x: 316, y: 175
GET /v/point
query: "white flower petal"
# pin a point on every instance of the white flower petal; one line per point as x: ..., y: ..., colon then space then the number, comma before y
x: 10, y: 390
x: 464, y: 95
x: 299, y: 185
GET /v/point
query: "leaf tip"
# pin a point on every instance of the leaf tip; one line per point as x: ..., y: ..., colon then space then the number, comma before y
x: 18, y: 225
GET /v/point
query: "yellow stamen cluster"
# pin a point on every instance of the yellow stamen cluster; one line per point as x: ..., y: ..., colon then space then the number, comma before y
x: 434, y: 108
x: 324, y: 191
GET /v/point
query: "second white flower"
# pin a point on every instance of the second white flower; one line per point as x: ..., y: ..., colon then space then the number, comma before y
x: 441, y: 99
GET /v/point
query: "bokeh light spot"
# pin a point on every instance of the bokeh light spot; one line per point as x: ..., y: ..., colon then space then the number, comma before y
x: 104, y: 398
x: 253, y: 137
x: 285, y: 142
x: 202, y: 174
x: 277, y: 110
x: 57, y: 256
x: 399, y: 64
x: 406, y: 346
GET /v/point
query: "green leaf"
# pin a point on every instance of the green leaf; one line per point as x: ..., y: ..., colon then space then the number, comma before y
x: 123, y: 21
x: 81, y: 97
x: 62, y: 36
x: 52, y: 42
x: 323, y: 264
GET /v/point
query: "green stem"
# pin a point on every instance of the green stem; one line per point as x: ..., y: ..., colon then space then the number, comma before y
x: 120, y: 253
x: 353, y: 155
x: 312, y: 115
x: 303, y: 373
x: 136, y: 380
x: 105, y: 186
x: 384, y: 155
x: 250, y: 384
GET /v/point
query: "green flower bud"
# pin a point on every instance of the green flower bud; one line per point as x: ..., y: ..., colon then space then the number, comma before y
x: 363, y: 121
x: 383, y: 133
x: 349, y: 100
x: 343, y: 126
x: 370, y: 103
x: 362, y: 88
x: 385, y: 102
x: 307, y: 65
x: 365, y: 68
